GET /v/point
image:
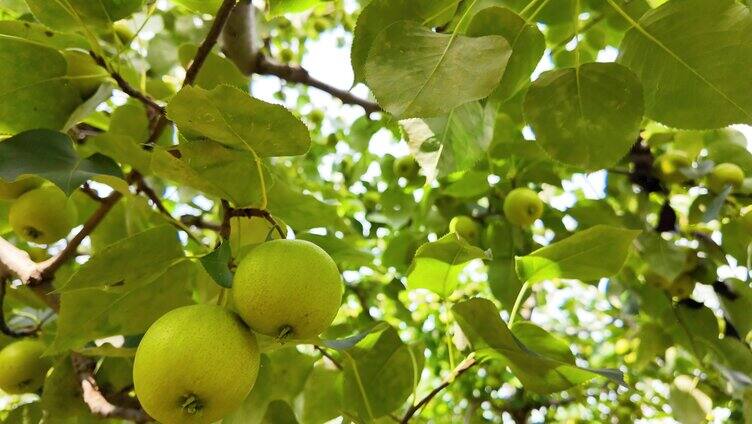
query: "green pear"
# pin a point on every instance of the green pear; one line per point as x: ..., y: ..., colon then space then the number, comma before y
x: 12, y: 189
x: 723, y: 175
x: 406, y: 167
x: 195, y: 365
x: 43, y: 215
x: 287, y: 289
x: 466, y: 227
x: 22, y: 367
x: 668, y: 166
x: 522, y: 207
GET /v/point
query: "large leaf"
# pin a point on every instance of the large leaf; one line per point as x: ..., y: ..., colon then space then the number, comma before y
x: 415, y: 72
x: 38, y: 33
x: 50, y: 154
x: 437, y: 265
x: 525, y: 39
x: 322, y: 395
x: 280, y: 7
x: 688, y: 55
x: 380, y: 373
x: 71, y: 15
x: 545, y: 366
x: 231, y: 117
x: 663, y: 256
x: 597, y: 252
x: 34, y: 90
x: 588, y: 116
x: 379, y: 14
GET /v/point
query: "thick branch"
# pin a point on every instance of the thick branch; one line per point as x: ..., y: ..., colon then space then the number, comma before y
x: 17, y: 262
x: 94, y: 398
x: 461, y: 368
x: 299, y: 75
x: 125, y: 87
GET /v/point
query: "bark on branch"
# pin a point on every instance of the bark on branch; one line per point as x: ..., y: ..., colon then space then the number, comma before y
x: 299, y: 75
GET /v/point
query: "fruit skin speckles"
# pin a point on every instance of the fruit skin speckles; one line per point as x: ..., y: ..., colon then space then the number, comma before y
x: 195, y: 365
x: 288, y: 289
x: 522, y: 207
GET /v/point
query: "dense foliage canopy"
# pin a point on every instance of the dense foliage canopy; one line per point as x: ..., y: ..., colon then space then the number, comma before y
x: 519, y: 211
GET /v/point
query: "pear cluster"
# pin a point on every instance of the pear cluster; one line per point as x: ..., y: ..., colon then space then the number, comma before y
x: 196, y: 364
x: 40, y: 214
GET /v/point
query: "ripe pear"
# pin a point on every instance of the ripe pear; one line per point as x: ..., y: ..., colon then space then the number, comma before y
x: 522, y: 207
x: 12, y: 189
x: 251, y: 231
x: 43, y: 215
x: 287, y: 289
x: 682, y: 287
x: 466, y: 227
x: 195, y: 365
x: 725, y: 174
x: 668, y: 166
x: 406, y: 167
x: 22, y: 367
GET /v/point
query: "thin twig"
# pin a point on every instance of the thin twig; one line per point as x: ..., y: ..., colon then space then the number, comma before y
x: 299, y: 75
x: 461, y: 368
x: 198, y: 61
x: 326, y: 355
x: 199, y: 222
x: 249, y: 213
x: 125, y: 87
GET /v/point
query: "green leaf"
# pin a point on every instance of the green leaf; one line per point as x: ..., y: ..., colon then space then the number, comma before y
x: 38, y: 33
x: 415, y: 72
x: 72, y: 15
x: 279, y: 412
x: 691, y: 71
x: 34, y: 92
x: 282, y: 376
x: 379, y: 14
x: 301, y: 211
x: 437, y: 265
x: 462, y: 137
x: 689, y: 404
x: 587, y: 116
x: 597, y: 252
x: 736, y: 301
x: 231, y: 117
x: 525, y: 39
x: 216, y: 70
x: 379, y: 374
x: 549, y: 370
x: 60, y: 395
x: 201, y: 6
x: 280, y: 7
x: 322, y: 395
x: 217, y: 263
x: 664, y: 258
x: 344, y: 251
x: 50, y: 155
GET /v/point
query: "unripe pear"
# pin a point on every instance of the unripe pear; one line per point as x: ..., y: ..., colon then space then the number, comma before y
x: 723, y: 175
x: 12, y: 189
x: 668, y: 166
x: 195, y: 365
x: 22, y: 367
x: 682, y: 287
x: 406, y: 167
x: 43, y: 215
x: 251, y: 231
x: 522, y: 207
x: 466, y: 227
x: 287, y: 289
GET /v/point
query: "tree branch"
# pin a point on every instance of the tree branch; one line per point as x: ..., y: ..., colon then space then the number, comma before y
x: 125, y: 87
x: 326, y: 355
x: 93, y: 397
x: 299, y: 75
x: 198, y: 61
x: 460, y: 369
x: 199, y: 222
